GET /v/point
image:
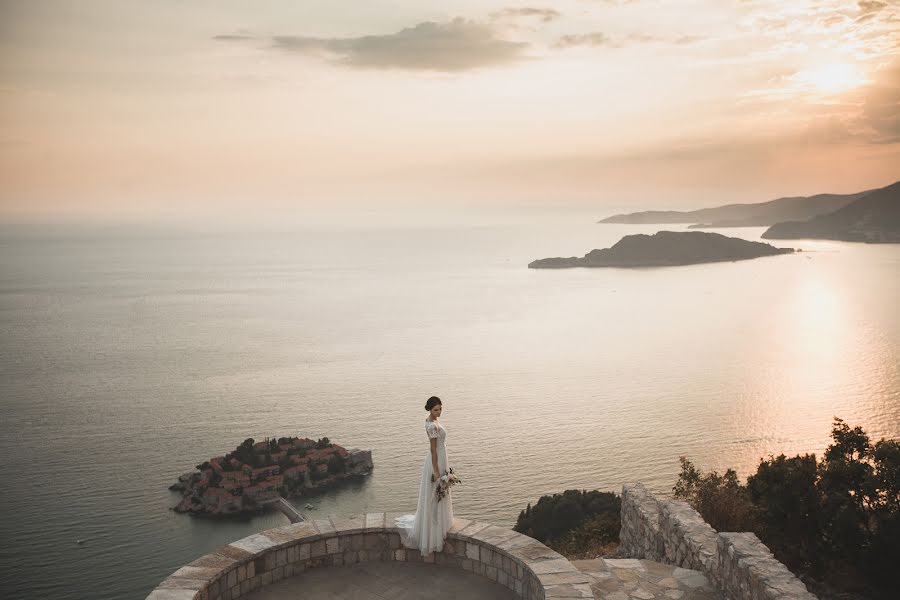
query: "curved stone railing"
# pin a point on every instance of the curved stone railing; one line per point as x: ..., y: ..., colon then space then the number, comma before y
x: 738, y: 564
x: 525, y: 566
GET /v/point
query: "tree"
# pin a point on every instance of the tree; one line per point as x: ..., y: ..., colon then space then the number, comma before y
x: 720, y: 499
x: 336, y: 465
x: 787, y: 506
x: 838, y: 518
x: 572, y: 521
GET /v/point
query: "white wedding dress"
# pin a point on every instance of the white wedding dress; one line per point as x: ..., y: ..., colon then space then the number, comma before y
x: 426, y: 530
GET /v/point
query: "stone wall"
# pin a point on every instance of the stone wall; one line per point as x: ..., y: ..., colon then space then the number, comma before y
x: 639, y: 535
x: 738, y: 564
x: 522, y: 564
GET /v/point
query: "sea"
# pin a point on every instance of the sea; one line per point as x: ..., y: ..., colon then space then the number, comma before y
x: 133, y: 351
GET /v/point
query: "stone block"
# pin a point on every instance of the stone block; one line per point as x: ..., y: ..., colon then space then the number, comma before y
x: 472, y: 551
x: 254, y: 544
x: 304, y: 552
x: 172, y: 594
x: 332, y: 546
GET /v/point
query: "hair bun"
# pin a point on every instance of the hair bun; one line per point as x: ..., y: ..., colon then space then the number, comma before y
x: 432, y: 402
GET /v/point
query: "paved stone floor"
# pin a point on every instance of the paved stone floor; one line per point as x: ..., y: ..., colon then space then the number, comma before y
x: 382, y: 581
x: 632, y: 579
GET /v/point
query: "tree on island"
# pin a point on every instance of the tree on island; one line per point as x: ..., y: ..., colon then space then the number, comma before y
x: 323, y: 443
x: 243, y: 453
x: 336, y: 465
x: 837, y: 519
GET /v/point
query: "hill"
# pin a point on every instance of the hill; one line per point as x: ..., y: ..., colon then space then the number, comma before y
x: 874, y: 218
x: 798, y: 208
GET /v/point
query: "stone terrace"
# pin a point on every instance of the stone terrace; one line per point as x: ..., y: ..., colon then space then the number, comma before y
x: 478, y: 555
x: 385, y: 581
x: 361, y: 558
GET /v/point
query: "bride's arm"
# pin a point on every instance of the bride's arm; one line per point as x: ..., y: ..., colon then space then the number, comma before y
x: 435, y: 472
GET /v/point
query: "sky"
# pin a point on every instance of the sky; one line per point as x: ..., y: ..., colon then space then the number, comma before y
x: 289, y: 106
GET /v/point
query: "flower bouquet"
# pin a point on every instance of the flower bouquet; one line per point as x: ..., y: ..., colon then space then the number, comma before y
x: 448, y: 480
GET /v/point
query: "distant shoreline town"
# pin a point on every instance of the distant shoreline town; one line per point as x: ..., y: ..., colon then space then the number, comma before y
x: 256, y: 474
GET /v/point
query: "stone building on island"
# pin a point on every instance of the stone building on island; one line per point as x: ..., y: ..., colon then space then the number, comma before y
x: 258, y: 472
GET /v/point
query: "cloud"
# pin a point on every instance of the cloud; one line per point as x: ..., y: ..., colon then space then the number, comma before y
x: 684, y: 40
x: 544, y: 14
x: 596, y: 38
x: 457, y: 45
x: 870, y: 6
x: 881, y: 109
x: 232, y: 37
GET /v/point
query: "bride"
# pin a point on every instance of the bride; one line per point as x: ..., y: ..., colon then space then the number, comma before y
x: 426, y: 530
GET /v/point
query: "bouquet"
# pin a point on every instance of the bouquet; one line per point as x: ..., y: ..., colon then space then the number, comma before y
x: 448, y: 480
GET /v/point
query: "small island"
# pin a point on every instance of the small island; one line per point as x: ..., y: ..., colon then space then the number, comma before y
x: 666, y: 248
x: 256, y: 474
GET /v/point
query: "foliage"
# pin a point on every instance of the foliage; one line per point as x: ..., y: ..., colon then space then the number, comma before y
x: 573, y: 522
x: 244, y: 453
x: 837, y: 519
x: 323, y: 443
x: 315, y: 474
x: 721, y: 499
x: 336, y: 464
x: 786, y: 505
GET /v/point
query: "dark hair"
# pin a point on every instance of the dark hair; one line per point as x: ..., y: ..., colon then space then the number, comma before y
x: 432, y: 402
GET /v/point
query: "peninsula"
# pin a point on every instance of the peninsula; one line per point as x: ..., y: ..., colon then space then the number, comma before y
x: 797, y: 208
x: 257, y: 473
x: 873, y: 218
x: 666, y: 248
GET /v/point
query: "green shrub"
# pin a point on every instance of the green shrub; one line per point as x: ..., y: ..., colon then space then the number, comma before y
x: 574, y: 522
x: 837, y: 519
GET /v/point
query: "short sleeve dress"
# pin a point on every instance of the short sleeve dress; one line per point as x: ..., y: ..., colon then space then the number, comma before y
x: 426, y: 530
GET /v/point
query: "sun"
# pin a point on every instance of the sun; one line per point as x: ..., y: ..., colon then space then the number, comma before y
x: 832, y: 78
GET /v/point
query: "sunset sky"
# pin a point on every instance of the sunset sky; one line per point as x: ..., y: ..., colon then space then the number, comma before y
x: 127, y: 106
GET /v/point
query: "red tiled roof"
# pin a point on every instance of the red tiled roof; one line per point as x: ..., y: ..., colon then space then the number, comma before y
x: 274, y: 469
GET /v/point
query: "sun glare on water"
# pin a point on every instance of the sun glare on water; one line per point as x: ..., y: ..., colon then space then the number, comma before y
x: 832, y: 78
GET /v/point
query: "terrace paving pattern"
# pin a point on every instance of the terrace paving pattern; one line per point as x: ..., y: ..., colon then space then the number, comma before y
x: 382, y: 581
x: 633, y: 579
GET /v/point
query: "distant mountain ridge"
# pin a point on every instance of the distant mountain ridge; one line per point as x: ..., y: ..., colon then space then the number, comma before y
x: 797, y: 208
x: 666, y: 248
x: 874, y: 218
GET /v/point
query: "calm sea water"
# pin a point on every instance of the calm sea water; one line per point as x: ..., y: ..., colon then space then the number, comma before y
x: 130, y: 354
